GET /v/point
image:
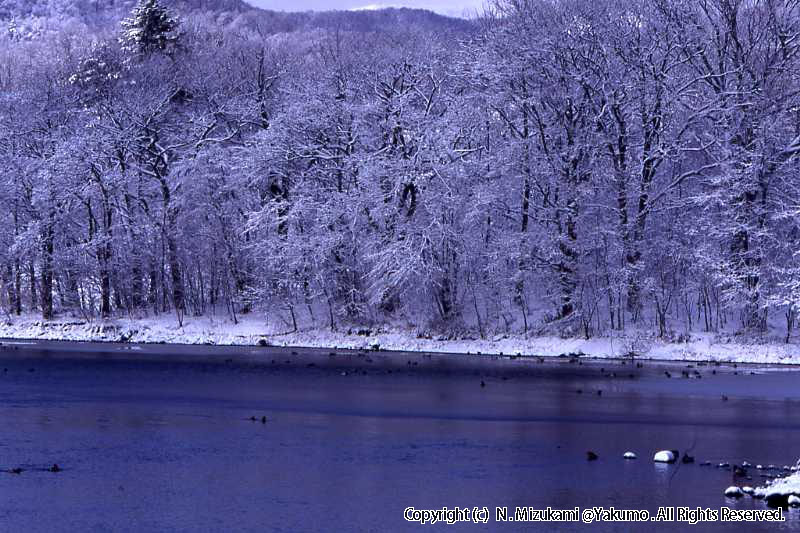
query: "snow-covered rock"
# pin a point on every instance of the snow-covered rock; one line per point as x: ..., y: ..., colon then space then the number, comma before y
x: 664, y: 456
x: 793, y: 501
x: 734, y: 492
x: 778, y: 492
x: 629, y: 455
x: 748, y: 490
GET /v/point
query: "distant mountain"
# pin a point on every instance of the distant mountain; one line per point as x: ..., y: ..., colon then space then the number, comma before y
x: 58, y: 8
x: 235, y: 6
x: 378, y: 20
x: 100, y: 13
x: 104, y: 9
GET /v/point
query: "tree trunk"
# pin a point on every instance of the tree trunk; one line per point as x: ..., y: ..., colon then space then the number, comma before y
x: 175, y: 275
x: 17, y: 289
x: 47, y: 272
x: 33, y: 293
x: 152, y: 293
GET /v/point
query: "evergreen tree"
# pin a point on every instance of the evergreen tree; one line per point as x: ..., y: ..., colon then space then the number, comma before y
x: 150, y: 28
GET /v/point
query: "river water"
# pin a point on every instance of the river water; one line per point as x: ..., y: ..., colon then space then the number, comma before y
x: 162, y: 440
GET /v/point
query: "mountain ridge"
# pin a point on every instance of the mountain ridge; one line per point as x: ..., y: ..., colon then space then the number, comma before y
x: 104, y: 12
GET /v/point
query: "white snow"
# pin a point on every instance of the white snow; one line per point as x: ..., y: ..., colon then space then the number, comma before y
x: 780, y: 487
x: 664, y: 456
x: 252, y: 328
x: 748, y: 490
x: 629, y: 455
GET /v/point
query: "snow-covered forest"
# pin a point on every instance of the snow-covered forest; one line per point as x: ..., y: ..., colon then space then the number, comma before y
x: 572, y: 167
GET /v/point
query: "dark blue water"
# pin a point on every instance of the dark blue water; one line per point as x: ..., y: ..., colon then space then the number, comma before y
x: 161, y: 446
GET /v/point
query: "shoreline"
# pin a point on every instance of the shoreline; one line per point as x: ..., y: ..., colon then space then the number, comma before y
x: 257, y: 332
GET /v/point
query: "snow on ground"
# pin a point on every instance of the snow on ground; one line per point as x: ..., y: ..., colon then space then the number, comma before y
x: 780, y: 487
x: 252, y: 329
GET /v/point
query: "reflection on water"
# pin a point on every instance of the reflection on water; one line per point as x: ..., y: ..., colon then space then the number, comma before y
x: 171, y: 447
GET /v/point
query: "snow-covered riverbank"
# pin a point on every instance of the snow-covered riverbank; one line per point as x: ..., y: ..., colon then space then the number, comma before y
x: 782, y: 492
x: 254, y: 331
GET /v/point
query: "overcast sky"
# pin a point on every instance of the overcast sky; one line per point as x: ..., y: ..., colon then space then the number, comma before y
x: 447, y: 7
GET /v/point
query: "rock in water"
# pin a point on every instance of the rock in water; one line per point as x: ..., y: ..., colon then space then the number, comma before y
x: 664, y: 456
x: 591, y: 456
x: 629, y: 455
x: 734, y: 492
x: 748, y: 490
x: 793, y: 501
x: 777, y: 499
